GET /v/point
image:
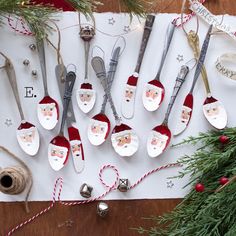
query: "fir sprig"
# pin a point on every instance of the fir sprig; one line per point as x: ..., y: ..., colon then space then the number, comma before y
x: 208, y: 213
x: 136, y: 7
x: 35, y: 15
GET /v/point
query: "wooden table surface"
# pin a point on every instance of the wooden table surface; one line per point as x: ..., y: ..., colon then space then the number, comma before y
x: 123, y: 214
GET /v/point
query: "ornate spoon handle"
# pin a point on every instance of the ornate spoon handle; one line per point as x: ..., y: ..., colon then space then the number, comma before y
x: 99, y: 68
x: 193, y: 41
x: 169, y: 36
x: 178, y: 84
x: 146, y: 34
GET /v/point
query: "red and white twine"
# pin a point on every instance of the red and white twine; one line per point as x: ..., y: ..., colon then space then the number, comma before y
x: 59, y: 182
x: 177, y: 21
x: 24, y: 30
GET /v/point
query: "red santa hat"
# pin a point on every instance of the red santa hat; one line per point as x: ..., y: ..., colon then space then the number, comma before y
x: 25, y: 125
x: 210, y: 100
x: 103, y: 118
x: 48, y: 100
x: 120, y: 129
x: 86, y: 86
x: 132, y: 80
x: 188, y: 102
x: 61, y: 141
x: 60, y: 4
x: 156, y: 83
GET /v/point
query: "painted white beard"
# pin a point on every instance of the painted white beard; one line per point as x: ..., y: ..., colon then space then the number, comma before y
x: 31, y: 148
x: 48, y: 121
x: 181, y: 126
x: 151, y: 104
x: 96, y: 139
x: 217, y: 121
x: 56, y: 162
x: 126, y: 150
x: 86, y: 106
x: 153, y: 150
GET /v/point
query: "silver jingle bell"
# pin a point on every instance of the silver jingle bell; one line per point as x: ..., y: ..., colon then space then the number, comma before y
x: 86, y: 190
x: 26, y: 62
x: 123, y: 185
x: 102, y: 209
x: 32, y: 47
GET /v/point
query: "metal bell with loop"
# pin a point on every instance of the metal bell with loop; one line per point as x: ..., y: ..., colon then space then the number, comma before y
x: 102, y: 209
x: 123, y: 185
x: 86, y: 190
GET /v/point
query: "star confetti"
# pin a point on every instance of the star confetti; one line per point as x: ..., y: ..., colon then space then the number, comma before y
x: 180, y: 58
x: 111, y: 21
x: 8, y: 122
x: 127, y: 29
x: 170, y: 184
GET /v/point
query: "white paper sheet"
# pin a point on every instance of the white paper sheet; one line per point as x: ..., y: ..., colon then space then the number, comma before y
x: 155, y: 186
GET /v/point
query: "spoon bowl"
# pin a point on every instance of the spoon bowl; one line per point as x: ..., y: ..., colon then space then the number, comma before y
x: 153, y: 95
x: 215, y: 113
x: 124, y: 140
x: 158, y: 140
x: 98, y: 129
x: 48, y: 112
x: 28, y: 138
x: 58, y: 152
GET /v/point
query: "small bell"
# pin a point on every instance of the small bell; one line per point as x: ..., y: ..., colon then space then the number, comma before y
x: 32, y: 47
x: 86, y: 190
x: 123, y: 185
x: 26, y: 62
x: 102, y: 209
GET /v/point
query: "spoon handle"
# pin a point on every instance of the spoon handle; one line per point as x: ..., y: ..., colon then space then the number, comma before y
x: 193, y: 41
x: 42, y: 60
x: 168, y: 39
x: 146, y: 34
x: 178, y: 84
x: 12, y: 79
x: 69, y: 84
x: 111, y: 75
x: 86, y: 53
x: 201, y: 58
x: 99, y: 68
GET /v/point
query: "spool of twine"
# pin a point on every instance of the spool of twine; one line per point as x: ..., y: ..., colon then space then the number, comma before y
x: 14, y: 180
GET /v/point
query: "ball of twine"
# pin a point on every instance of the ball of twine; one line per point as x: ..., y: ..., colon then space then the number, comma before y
x: 14, y: 180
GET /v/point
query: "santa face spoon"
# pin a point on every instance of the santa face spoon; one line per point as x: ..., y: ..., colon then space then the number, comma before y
x: 27, y: 133
x: 100, y: 125
x: 160, y: 136
x: 86, y: 95
x: 47, y: 110
x: 58, y: 150
x: 128, y: 99
x: 154, y: 91
x: 124, y: 140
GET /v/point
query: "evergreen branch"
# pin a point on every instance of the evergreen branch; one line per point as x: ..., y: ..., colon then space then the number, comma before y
x: 209, y: 213
x: 136, y: 7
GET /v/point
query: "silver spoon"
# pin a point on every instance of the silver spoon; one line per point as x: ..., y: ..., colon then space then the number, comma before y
x: 27, y: 133
x: 47, y: 110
